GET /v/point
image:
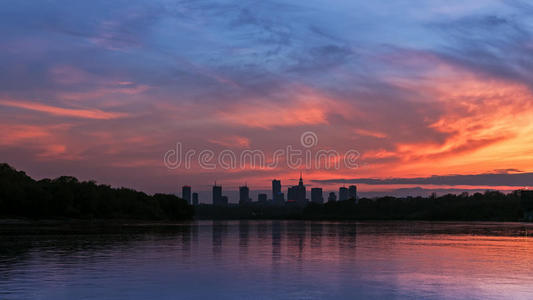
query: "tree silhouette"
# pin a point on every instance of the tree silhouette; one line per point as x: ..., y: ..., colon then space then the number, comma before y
x: 66, y: 197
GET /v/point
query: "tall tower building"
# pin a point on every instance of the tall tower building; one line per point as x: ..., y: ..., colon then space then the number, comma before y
x: 217, y: 194
x: 262, y: 198
x: 292, y: 193
x: 317, y: 195
x: 352, y: 192
x: 301, y: 192
x: 186, y: 194
x: 343, y: 194
x: 332, y: 197
x: 244, y: 195
x: 276, y: 191
x: 195, y: 199
x: 224, y: 201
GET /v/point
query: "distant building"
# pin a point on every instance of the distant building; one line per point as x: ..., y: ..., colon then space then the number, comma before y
x: 317, y: 196
x: 292, y: 193
x: 280, y: 201
x: 217, y: 195
x: 343, y: 194
x: 277, y: 195
x: 186, y: 193
x: 352, y: 192
x: 262, y: 198
x: 224, y: 201
x: 244, y: 195
x: 332, y: 197
x: 297, y: 193
x: 301, y: 192
x: 195, y: 199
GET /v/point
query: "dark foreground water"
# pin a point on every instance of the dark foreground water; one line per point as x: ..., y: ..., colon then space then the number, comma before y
x: 273, y: 260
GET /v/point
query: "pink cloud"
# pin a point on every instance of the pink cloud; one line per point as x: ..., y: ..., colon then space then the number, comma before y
x: 59, y: 111
x: 14, y: 134
x: 303, y: 106
x: 370, y: 133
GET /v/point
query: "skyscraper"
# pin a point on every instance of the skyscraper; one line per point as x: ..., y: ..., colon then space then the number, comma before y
x: 217, y: 195
x: 244, y: 195
x: 195, y: 199
x: 276, y: 191
x: 281, y: 200
x: 292, y: 193
x: 301, y: 192
x: 186, y: 193
x: 343, y: 194
x: 224, y: 201
x: 316, y: 195
x: 352, y: 192
x: 262, y: 198
x: 332, y: 197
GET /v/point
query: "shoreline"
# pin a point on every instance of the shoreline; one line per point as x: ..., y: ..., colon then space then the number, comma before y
x: 16, y: 227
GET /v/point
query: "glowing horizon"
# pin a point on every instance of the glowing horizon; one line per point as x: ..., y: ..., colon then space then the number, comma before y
x: 103, y: 90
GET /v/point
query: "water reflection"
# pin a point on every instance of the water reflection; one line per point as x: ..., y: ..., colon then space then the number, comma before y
x: 272, y: 260
x: 276, y: 241
x: 219, y: 230
x: 244, y: 230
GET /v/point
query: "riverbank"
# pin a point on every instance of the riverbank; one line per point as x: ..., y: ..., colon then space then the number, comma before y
x: 18, y: 227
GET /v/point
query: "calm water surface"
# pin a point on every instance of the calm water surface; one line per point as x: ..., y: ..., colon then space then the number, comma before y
x: 274, y: 260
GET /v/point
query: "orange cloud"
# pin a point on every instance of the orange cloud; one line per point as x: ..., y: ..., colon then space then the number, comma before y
x: 370, y: 133
x: 59, y: 111
x: 305, y: 107
x: 268, y: 115
x: 380, y: 153
x: 488, y: 123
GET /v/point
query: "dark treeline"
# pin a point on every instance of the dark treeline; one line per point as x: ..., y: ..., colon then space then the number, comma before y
x: 66, y: 197
x: 488, y: 206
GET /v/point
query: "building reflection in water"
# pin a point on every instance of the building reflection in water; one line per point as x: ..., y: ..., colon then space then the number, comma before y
x: 277, y: 229
x: 194, y: 232
x: 347, y: 238
x: 296, y: 233
x: 347, y: 235
x: 219, y: 229
x: 291, y: 240
x: 317, y: 230
x: 244, y: 231
x: 186, y: 238
x: 262, y: 229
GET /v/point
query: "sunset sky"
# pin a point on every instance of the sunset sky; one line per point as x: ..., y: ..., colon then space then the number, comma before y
x: 423, y: 90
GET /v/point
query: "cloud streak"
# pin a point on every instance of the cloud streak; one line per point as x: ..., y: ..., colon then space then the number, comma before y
x: 496, y: 180
x: 65, y: 112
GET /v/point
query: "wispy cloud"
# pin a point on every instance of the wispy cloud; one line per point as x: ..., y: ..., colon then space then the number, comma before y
x: 488, y: 179
x: 66, y: 112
